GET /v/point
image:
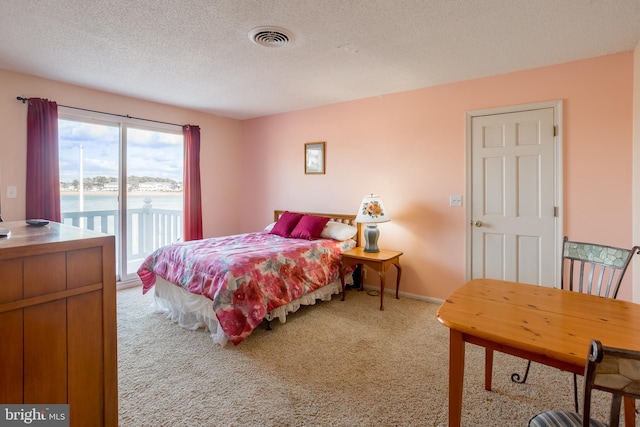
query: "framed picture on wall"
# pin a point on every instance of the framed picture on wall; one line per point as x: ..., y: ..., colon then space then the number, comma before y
x: 314, y: 158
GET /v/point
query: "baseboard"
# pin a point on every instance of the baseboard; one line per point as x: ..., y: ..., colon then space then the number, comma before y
x: 405, y: 294
x: 120, y: 286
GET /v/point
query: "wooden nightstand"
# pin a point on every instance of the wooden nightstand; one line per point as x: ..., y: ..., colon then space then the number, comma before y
x: 379, y: 261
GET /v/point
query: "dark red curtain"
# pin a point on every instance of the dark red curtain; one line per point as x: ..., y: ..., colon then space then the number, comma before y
x: 191, y: 183
x: 43, y: 176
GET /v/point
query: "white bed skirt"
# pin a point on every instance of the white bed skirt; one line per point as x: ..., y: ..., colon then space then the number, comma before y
x: 192, y: 311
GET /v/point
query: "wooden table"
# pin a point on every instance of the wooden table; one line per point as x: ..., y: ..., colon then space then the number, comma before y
x: 547, y: 325
x: 379, y: 261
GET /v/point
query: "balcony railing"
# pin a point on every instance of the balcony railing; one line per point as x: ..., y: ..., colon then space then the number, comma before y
x: 148, y: 228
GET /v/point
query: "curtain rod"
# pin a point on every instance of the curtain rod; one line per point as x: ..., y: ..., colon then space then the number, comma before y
x: 24, y: 100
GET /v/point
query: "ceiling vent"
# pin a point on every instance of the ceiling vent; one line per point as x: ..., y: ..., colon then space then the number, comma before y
x: 271, y: 36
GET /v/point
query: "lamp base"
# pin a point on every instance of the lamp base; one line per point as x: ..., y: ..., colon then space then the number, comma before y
x: 371, y: 234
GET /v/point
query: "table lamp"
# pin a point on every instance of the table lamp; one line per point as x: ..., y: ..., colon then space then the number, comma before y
x: 371, y: 212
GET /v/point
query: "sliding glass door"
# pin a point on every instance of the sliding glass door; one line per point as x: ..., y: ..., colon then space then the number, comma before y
x: 154, y: 205
x: 124, y: 179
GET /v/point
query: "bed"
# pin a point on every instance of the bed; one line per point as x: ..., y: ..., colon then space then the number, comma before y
x: 231, y: 284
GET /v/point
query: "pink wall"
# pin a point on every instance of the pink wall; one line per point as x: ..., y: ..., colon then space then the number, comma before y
x: 636, y: 167
x: 220, y: 143
x: 410, y: 148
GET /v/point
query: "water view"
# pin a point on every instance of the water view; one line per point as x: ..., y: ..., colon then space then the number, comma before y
x: 70, y: 202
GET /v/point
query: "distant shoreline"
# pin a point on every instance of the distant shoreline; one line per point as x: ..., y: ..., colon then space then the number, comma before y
x: 115, y: 193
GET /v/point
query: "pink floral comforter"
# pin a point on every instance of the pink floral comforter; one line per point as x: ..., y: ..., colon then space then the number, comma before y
x: 246, y: 275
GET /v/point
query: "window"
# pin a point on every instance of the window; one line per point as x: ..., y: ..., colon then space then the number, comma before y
x: 122, y: 178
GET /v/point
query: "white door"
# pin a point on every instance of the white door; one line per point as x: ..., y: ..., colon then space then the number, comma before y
x: 514, y: 226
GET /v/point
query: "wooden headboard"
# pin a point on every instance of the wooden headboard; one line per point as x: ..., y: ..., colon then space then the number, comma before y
x: 344, y: 218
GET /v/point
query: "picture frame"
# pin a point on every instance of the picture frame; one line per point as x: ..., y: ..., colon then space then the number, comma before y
x: 314, y: 158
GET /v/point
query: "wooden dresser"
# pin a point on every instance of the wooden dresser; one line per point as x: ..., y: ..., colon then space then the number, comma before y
x: 58, y: 320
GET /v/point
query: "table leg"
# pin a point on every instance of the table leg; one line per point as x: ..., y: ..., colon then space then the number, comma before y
x: 383, y: 274
x: 488, y: 368
x: 456, y: 377
x: 342, y: 279
x: 397, y: 264
x: 629, y: 411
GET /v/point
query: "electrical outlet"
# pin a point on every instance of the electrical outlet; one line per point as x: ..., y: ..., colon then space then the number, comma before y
x: 455, y: 201
x: 12, y: 192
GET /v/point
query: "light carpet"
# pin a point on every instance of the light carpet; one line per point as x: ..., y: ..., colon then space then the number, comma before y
x: 337, y: 363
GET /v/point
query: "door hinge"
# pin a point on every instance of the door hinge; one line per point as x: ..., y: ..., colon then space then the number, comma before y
x: 555, y: 131
x: 555, y: 211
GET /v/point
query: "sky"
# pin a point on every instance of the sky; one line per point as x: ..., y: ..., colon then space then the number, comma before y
x: 149, y: 153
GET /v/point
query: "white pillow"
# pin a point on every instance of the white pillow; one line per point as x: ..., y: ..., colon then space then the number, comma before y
x: 269, y: 227
x: 338, y: 231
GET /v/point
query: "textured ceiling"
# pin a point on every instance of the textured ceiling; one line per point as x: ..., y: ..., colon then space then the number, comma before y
x: 197, y: 53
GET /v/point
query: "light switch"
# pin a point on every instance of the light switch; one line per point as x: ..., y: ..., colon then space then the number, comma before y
x: 12, y: 192
x: 455, y: 201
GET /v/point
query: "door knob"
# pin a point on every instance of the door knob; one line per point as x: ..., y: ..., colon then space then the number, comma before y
x: 478, y: 223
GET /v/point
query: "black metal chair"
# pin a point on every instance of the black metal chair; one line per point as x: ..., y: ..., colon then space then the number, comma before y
x: 609, y: 369
x: 593, y: 269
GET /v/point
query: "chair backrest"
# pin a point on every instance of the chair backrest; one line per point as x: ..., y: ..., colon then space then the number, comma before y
x: 594, y: 269
x: 613, y: 370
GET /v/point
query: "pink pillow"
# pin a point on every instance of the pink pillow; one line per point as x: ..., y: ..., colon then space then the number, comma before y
x: 286, y: 223
x: 309, y: 227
